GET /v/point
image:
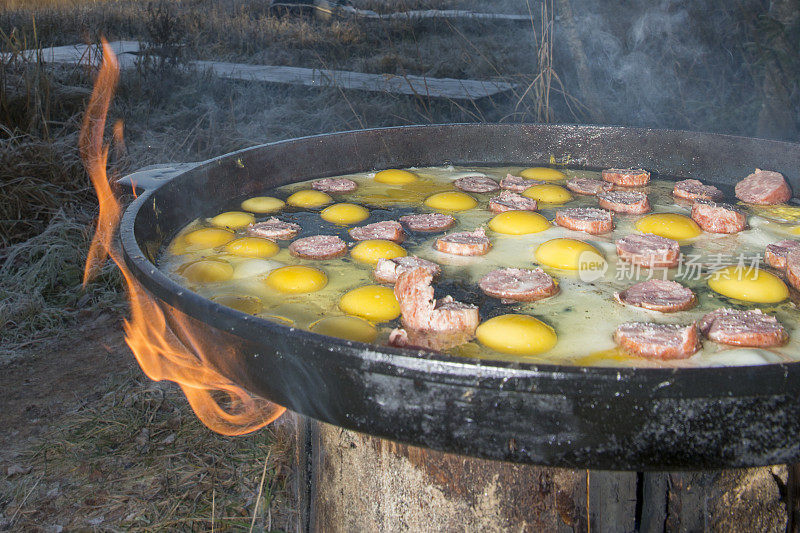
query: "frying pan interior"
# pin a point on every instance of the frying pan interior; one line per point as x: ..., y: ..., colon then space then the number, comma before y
x: 620, y: 419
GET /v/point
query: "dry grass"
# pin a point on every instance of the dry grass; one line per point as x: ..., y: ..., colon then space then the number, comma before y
x: 137, y: 459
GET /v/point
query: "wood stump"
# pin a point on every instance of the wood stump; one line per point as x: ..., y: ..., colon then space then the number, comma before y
x: 348, y: 481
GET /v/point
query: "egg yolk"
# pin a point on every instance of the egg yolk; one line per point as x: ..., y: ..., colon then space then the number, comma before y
x: 252, y: 247
x: 518, y: 223
x: 749, y: 284
x: 346, y: 327
x: 344, y: 214
x: 371, y: 250
x: 549, y: 194
x: 253, y: 267
x: 233, y: 220
x: 263, y: 204
x: 309, y: 199
x: 516, y: 334
x: 567, y: 254
x: 207, y: 238
x: 372, y: 302
x: 542, y: 173
x: 296, y: 279
x: 244, y: 303
x: 395, y: 176
x: 451, y: 201
x: 207, y: 271
x: 669, y: 225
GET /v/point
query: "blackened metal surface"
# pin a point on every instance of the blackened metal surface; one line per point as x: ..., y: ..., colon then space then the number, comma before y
x: 604, y: 418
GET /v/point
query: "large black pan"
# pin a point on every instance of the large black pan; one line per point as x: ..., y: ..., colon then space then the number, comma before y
x: 603, y: 418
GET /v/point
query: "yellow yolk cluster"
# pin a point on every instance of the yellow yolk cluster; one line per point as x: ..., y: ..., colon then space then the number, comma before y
x: 749, y: 284
x: 344, y: 214
x: 309, y: 199
x: 516, y: 334
x: 548, y: 194
x: 373, y: 302
x: 233, y: 220
x: 451, y: 201
x: 346, y: 327
x: 395, y: 176
x: 252, y: 247
x: 296, y: 279
x: 669, y: 225
x: 371, y: 250
x: 263, y: 204
x: 518, y: 223
x: 566, y: 254
x: 542, y: 174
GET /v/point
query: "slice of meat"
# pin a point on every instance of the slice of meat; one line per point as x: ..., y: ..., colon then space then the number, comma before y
x: 464, y: 243
x: 387, y: 270
x: 793, y: 268
x: 588, y: 219
x: 420, y: 311
x: 658, y: 295
x: 743, y: 328
x: 428, y: 222
x: 628, y: 177
x: 274, y: 228
x: 517, y: 284
x: 717, y: 217
x: 511, y: 201
x: 696, y: 190
x: 318, y: 247
x: 389, y: 230
x: 517, y: 183
x: 763, y: 187
x: 628, y: 202
x: 649, y: 251
x: 776, y: 252
x: 588, y: 186
x: 658, y: 341
x: 478, y: 184
x: 334, y: 185
x: 428, y: 340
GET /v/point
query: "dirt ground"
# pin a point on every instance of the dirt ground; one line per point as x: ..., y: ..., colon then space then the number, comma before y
x: 88, y: 442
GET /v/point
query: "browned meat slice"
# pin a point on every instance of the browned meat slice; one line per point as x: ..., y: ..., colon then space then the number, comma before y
x: 776, y: 252
x: 274, y: 228
x: 464, y: 243
x: 334, y: 185
x: 588, y: 219
x: 389, y: 230
x: 628, y: 202
x: 518, y: 284
x: 658, y: 341
x: 428, y: 340
x: 793, y: 268
x: 588, y: 186
x: 511, y: 201
x: 479, y: 184
x: 629, y: 177
x: 658, y: 295
x: 387, y: 270
x: 649, y: 251
x: 318, y: 247
x: 763, y: 187
x: 696, y: 190
x: 428, y: 222
x: 517, y: 183
x: 421, y: 312
x: 743, y: 328
x: 718, y: 218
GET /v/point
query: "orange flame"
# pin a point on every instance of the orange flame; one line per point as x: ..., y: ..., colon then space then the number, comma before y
x: 167, y: 346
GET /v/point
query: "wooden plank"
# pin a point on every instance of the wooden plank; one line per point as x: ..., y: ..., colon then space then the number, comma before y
x: 450, y: 88
x: 454, y: 89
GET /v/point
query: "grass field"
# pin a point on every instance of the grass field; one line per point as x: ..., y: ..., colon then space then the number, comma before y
x: 700, y: 67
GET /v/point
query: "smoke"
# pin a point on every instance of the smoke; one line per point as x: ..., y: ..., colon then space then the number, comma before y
x: 670, y: 64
